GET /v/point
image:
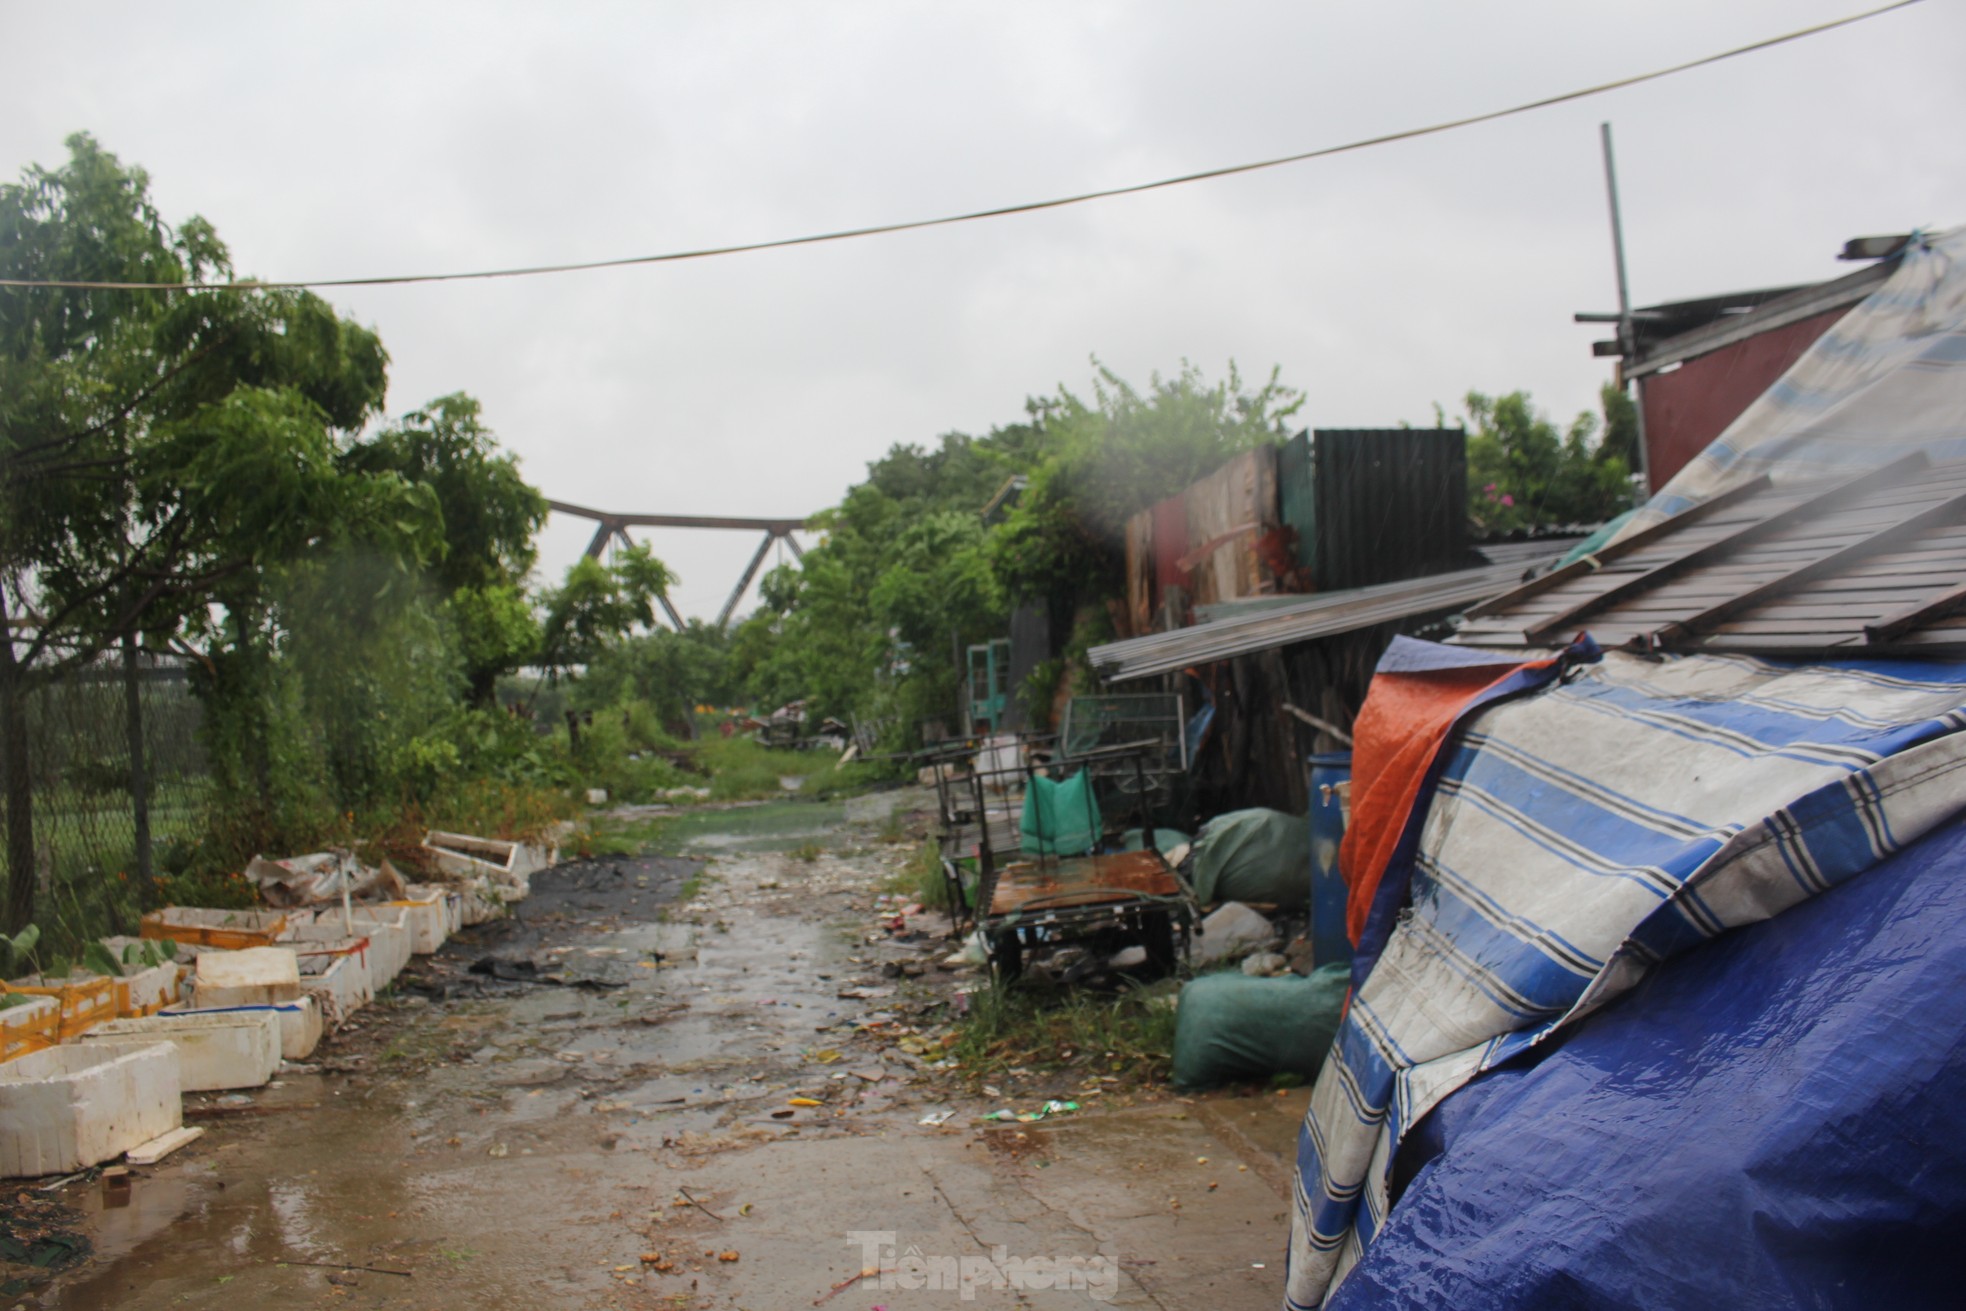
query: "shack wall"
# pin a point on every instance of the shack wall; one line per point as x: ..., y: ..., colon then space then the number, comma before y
x: 1687, y: 407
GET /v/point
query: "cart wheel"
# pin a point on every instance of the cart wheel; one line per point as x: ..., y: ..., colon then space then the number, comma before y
x: 1006, y: 955
x: 1157, y: 935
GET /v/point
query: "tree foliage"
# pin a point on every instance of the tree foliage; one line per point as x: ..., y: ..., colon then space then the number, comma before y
x: 875, y: 621
x: 1523, y: 473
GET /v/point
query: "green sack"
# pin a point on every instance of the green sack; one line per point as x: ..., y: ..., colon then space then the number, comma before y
x: 1165, y: 839
x: 1060, y: 819
x: 1232, y: 1028
x: 1262, y: 856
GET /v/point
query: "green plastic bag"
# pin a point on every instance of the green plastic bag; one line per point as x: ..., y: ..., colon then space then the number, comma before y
x: 1232, y: 1028
x: 1262, y: 856
x: 1060, y: 819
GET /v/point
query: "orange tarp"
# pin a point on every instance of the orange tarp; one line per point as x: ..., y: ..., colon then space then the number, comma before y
x: 1398, y: 732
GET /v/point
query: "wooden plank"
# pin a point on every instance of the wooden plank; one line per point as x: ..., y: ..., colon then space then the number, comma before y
x: 1936, y: 605
x: 1947, y: 509
x: 1644, y: 537
x: 163, y: 1145
x: 1798, y: 512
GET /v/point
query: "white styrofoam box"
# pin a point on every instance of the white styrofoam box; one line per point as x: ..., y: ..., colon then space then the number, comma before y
x: 425, y: 911
x: 339, y: 981
x: 507, y: 866
x: 389, y: 934
x: 432, y: 915
x: 216, y: 1050
x: 252, y: 977
x: 327, y: 937
x: 147, y: 991
x: 299, y: 1021
x: 78, y: 1105
x: 477, y: 901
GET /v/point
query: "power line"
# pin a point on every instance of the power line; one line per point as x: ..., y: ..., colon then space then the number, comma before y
x: 1000, y: 211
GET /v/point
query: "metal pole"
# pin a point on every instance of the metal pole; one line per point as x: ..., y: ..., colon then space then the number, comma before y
x: 139, y: 775
x: 1627, y: 338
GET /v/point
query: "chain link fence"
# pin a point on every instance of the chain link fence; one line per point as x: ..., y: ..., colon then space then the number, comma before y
x: 118, y: 773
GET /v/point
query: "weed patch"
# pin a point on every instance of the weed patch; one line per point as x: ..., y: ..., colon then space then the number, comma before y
x: 1066, y: 1029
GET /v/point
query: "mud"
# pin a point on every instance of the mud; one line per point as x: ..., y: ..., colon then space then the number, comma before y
x: 711, y: 1102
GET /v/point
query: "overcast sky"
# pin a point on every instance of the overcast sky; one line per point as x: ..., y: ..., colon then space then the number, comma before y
x: 352, y: 139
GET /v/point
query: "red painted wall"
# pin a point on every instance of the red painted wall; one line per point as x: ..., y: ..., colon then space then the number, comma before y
x: 1693, y: 404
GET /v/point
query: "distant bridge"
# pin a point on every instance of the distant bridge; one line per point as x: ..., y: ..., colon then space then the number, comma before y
x: 610, y: 526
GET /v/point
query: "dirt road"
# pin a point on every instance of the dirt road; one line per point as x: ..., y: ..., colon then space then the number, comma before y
x: 688, y: 1113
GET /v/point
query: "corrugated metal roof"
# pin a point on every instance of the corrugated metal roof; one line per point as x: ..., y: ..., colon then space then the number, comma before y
x: 1867, y: 565
x: 1323, y: 615
x: 1527, y: 551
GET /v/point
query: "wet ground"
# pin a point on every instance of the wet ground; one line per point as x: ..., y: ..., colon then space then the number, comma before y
x: 654, y: 1100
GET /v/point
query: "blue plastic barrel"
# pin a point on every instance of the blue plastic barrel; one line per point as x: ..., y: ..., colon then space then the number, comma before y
x: 1328, y: 938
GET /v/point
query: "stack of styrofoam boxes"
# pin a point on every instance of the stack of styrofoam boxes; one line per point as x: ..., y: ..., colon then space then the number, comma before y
x: 217, y: 1050
x: 71, y: 1107
x: 299, y: 1019
x: 254, y: 976
x: 29, y: 1025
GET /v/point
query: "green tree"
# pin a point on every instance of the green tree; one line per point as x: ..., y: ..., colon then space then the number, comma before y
x: 158, y: 450
x: 490, y: 515
x: 875, y: 620
x: 1523, y: 473
x: 598, y: 605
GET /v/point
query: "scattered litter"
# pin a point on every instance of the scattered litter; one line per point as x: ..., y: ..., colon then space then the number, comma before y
x: 934, y: 1118
x: 1050, y: 1108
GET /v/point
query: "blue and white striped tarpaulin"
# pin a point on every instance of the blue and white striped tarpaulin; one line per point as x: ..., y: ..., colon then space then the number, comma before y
x: 1578, y: 830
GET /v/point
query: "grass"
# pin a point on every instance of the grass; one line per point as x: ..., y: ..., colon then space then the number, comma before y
x: 921, y: 878
x: 742, y: 770
x: 807, y: 851
x: 1065, y: 1029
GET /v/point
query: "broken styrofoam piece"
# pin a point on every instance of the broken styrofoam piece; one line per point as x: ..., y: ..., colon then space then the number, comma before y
x: 507, y: 867
x: 255, y: 976
x: 299, y: 1021
x: 1265, y: 964
x: 432, y: 914
x: 203, y: 926
x: 320, y: 877
x: 158, y: 1148
x: 1128, y: 958
x: 29, y: 1025
x: 68, y: 1108
x: 1230, y: 931
x: 216, y: 1050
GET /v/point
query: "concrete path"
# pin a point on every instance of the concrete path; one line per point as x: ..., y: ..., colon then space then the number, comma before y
x: 632, y: 1142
